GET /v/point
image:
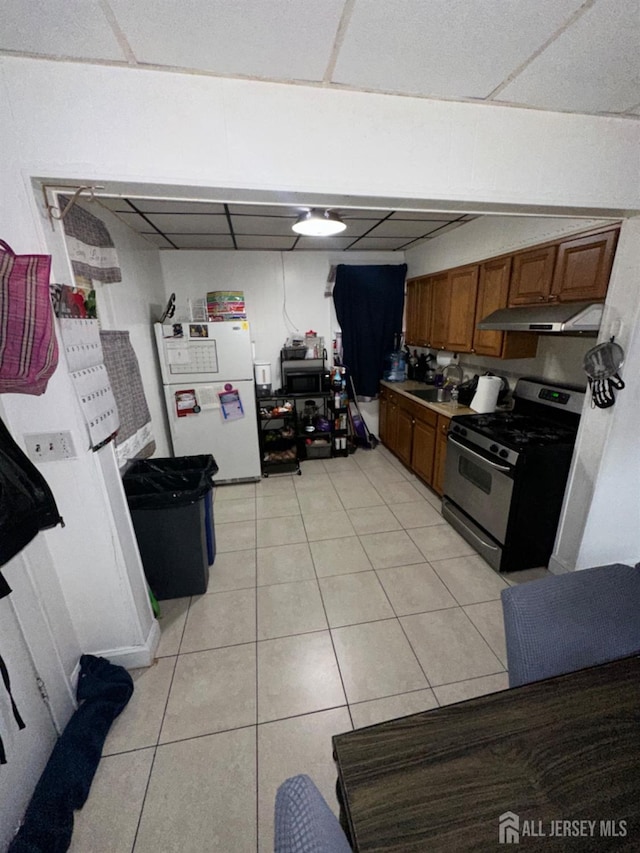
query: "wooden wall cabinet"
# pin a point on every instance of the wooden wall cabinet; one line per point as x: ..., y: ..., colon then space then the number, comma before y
x: 443, y: 309
x: 453, y: 308
x: 411, y: 303
x: 532, y: 276
x: 583, y: 267
x: 463, y: 290
x: 572, y: 270
x: 493, y: 292
x: 418, y: 312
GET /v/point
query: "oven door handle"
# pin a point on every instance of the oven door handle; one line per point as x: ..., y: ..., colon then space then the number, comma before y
x: 480, y: 456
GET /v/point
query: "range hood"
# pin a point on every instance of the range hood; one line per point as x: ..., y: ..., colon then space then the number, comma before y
x: 568, y: 318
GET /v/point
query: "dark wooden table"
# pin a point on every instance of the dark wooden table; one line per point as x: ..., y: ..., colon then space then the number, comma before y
x: 567, y: 748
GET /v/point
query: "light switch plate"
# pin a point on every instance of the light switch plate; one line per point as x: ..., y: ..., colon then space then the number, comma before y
x: 49, y: 446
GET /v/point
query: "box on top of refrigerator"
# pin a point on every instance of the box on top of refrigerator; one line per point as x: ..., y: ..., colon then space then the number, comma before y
x: 226, y: 305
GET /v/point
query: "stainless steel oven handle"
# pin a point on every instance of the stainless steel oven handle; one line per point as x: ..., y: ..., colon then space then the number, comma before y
x: 480, y: 456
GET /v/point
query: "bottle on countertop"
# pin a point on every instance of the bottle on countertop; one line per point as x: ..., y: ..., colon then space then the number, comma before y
x: 421, y: 368
x: 412, y: 365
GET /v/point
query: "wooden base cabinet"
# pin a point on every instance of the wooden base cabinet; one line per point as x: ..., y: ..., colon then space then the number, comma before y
x: 423, y: 446
x: 410, y: 431
x: 442, y: 430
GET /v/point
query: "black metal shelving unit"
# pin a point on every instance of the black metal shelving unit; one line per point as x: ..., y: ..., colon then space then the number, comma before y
x: 339, y: 429
x: 278, y: 432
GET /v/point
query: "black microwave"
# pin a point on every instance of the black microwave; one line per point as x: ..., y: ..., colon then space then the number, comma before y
x: 304, y: 376
x: 306, y: 381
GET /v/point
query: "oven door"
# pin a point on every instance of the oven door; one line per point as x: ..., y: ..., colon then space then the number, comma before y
x: 481, y: 487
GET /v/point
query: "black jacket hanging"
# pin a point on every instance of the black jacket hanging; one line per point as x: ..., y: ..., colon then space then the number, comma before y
x: 27, y: 504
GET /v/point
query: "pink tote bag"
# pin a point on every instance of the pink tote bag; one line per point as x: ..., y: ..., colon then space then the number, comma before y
x: 28, y: 346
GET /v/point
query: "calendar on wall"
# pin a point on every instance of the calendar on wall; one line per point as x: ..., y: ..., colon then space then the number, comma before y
x: 83, y: 351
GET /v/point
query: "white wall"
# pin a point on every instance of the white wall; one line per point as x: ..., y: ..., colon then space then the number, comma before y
x: 269, y: 281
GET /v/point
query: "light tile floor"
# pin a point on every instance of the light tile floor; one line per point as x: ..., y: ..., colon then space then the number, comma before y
x: 338, y: 599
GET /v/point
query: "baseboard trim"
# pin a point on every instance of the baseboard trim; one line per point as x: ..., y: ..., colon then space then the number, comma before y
x: 135, y: 657
x: 558, y: 567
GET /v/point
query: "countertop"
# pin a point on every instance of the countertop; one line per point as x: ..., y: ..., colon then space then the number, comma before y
x: 447, y: 409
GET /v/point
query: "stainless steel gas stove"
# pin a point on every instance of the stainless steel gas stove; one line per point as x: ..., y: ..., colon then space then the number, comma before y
x: 506, y: 474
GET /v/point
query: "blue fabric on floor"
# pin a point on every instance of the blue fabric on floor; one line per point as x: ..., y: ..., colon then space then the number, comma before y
x: 103, y: 691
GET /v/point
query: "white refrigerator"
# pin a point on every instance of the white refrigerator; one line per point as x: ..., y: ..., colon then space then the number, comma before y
x: 207, y: 374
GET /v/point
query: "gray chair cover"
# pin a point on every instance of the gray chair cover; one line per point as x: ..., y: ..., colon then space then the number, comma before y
x: 568, y: 622
x: 304, y: 823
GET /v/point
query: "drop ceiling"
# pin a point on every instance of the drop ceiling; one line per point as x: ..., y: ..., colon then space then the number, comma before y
x: 580, y: 56
x: 575, y: 56
x: 216, y: 225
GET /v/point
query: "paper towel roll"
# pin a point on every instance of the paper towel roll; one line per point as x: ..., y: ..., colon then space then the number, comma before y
x: 486, y: 396
x: 444, y: 358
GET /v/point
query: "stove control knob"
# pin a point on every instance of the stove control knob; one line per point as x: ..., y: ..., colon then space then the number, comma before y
x: 504, y: 453
x: 463, y: 432
x: 456, y: 428
x: 494, y: 448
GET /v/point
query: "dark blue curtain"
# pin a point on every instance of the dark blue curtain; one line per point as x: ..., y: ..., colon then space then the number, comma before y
x: 369, y: 303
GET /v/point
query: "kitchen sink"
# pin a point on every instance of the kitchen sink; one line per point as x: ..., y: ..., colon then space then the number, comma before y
x: 430, y: 395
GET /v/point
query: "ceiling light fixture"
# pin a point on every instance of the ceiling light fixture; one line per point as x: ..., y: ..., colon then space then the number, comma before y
x: 318, y: 223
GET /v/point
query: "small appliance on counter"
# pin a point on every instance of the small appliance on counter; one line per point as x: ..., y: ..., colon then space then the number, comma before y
x: 262, y: 375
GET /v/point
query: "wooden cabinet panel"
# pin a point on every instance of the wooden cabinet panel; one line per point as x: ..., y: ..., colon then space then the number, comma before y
x: 493, y: 292
x: 453, y: 308
x: 440, y: 310
x: 440, y: 453
x: 423, y: 449
x: 404, y: 434
x: 411, y: 312
x: 418, y: 312
x: 463, y: 289
x: 383, y: 415
x: 424, y: 311
x: 583, y: 267
x: 532, y: 276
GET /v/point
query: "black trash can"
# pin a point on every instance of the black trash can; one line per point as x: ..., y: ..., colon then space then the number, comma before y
x: 171, y: 514
x: 203, y: 463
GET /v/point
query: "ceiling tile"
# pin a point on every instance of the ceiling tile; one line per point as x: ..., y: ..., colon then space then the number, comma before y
x: 361, y: 213
x: 268, y: 225
x: 424, y: 217
x: 157, y: 240
x: 593, y: 66
x: 114, y: 203
x: 153, y: 205
x: 282, y: 39
x: 72, y: 28
x: 265, y: 210
x: 405, y: 228
x: 202, y: 241
x: 189, y: 223
x: 447, y: 48
x: 384, y: 243
x: 323, y: 244
x: 277, y: 244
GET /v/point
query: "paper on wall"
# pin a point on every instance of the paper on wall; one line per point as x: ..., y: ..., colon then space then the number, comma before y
x: 83, y: 351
